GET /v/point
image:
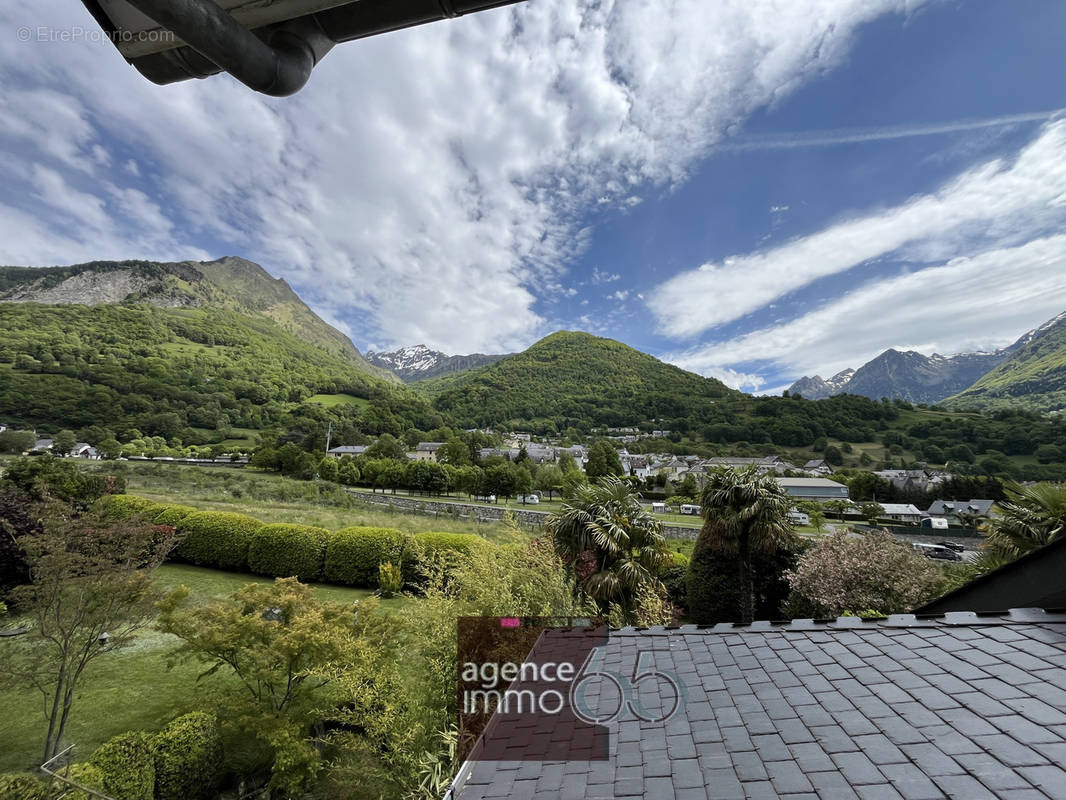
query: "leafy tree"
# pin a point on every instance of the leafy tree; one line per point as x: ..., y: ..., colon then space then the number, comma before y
x: 838, y: 507
x: 1032, y: 517
x: 64, y: 442
x: 549, y: 479
x: 18, y: 518
x: 523, y: 482
x: 454, y: 452
x: 387, y: 446
x: 603, y: 460
x: 88, y: 578
x: 871, y: 512
x: 744, y: 513
x: 109, y: 448
x: 47, y: 476
x: 329, y: 469
x: 852, y: 574
x: 276, y: 639
x: 613, y: 545
x: 832, y: 455
x: 17, y: 442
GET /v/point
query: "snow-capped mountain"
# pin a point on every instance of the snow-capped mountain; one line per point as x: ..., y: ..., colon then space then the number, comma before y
x: 419, y: 363
x: 817, y: 388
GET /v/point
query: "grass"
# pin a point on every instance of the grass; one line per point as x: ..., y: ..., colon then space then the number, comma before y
x: 333, y: 400
x: 133, y: 688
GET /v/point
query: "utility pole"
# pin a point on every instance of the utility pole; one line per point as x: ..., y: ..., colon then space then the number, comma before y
x: 329, y: 435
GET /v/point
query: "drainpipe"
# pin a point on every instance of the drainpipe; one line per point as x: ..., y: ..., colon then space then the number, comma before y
x: 279, y: 66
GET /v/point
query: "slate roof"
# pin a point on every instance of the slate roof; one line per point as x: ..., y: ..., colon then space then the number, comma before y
x: 941, y: 508
x: 953, y: 706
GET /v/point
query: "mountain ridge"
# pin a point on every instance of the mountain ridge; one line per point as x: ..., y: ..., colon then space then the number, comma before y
x: 912, y: 376
x: 419, y: 362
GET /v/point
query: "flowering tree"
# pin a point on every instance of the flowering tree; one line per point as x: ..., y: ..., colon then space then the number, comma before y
x: 843, y: 573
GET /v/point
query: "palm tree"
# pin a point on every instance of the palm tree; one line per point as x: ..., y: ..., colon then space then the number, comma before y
x: 1032, y: 517
x: 745, y: 512
x: 611, y: 543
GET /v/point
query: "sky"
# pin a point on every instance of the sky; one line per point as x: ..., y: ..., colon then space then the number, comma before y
x: 753, y: 190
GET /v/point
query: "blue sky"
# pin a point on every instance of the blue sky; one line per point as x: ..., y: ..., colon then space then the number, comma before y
x: 751, y: 190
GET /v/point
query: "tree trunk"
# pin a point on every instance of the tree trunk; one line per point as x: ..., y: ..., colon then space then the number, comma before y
x: 747, y: 590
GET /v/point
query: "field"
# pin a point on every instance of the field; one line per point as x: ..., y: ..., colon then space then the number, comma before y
x: 333, y: 400
x: 133, y: 688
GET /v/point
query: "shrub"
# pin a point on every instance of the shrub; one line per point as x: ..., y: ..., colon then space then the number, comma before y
x: 87, y: 775
x: 439, y: 548
x: 124, y: 506
x: 172, y: 514
x: 675, y: 580
x: 22, y: 787
x: 354, y: 555
x: 285, y: 551
x: 127, y: 766
x: 216, y: 539
x: 390, y: 579
x: 874, y: 572
x: 713, y: 585
x: 188, y: 758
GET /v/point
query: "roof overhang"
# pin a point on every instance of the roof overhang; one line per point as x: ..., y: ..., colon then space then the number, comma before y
x: 269, y: 45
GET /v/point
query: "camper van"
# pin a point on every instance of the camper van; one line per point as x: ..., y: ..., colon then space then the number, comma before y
x: 691, y: 509
x: 658, y: 508
x: 936, y: 523
x: 799, y: 518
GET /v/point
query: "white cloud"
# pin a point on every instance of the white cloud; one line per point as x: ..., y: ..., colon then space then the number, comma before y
x: 964, y: 305
x: 619, y: 295
x: 995, y: 203
x: 426, y: 182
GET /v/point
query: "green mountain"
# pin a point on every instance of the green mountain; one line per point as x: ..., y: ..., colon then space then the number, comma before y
x: 577, y: 380
x: 229, y: 283
x: 184, y: 351
x: 1033, y: 378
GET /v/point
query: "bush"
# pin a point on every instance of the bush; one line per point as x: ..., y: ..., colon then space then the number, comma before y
x: 172, y: 514
x: 675, y: 580
x: 87, y: 775
x: 713, y: 587
x: 354, y: 555
x: 124, y: 506
x: 22, y: 787
x: 285, y: 551
x: 188, y: 758
x: 216, y: 539
x: 390, y: 579
x: 447, y: 548
x: 127, y: 766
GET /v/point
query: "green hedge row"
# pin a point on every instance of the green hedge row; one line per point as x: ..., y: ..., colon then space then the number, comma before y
x: 282, y: 551
x: 188, y: 758
x: 127, y: 766
x: 238, y: 542
x: 354, y: 554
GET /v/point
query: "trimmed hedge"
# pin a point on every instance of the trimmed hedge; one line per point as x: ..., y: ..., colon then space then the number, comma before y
x: 285, y: 551
x: 216, y: 539
x: 188, y: 758
x: 173, y: 514
x: 87, y: 775
x: 354, y: 554
x: 22, y: 787
x: 127, y: 765
x: 430, y: 546
x: 124, y: 506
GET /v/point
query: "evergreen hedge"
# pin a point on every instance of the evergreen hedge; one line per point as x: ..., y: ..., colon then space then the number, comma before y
x: 216, y: 539
x: 188, y: 758
x: 22, y: 787
x: 431, y: 546
x: 284, y: 551
x: 354, y: 554
x: 124, y: 506
x: 127, y: 766
x: 172, y: 514
x: 87, y: 775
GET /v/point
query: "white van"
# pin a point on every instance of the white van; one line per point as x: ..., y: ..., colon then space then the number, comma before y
x: 691, y: 509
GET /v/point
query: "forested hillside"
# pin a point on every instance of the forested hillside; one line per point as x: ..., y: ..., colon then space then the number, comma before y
x: 576, y: 380
x: 185, y: 373
x: 1033, y: 378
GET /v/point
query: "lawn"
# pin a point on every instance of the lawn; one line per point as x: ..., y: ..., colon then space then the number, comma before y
x: 333, y: 400
x: 132, y: 688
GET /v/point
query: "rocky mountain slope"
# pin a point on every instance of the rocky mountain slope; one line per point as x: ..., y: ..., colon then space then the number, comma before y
x: 818, y: 388
x: 419, y: 363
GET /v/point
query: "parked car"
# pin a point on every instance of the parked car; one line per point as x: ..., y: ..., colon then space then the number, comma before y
x: 958, y: 548
x: 937, y: 551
